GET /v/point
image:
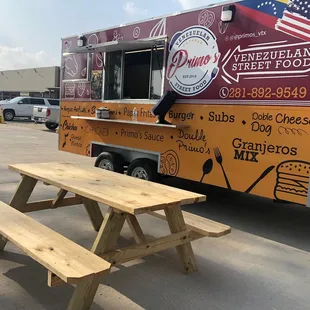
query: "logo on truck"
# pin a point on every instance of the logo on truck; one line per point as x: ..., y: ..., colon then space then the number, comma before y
x: 193, y: 60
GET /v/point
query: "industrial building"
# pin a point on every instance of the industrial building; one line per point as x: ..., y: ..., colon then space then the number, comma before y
x: 35, y: 82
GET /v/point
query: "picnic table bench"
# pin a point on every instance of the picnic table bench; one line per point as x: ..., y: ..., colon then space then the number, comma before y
x: 126, y: 198
x: 60, y: 256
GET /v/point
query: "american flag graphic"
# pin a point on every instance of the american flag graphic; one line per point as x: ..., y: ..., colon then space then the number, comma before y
x: 296, y: 19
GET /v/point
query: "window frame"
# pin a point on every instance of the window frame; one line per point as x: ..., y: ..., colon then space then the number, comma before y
x: 43, y: 100
x: 163, y: 44
x: 54, y: 105
x: 21, y: 101
x: 165, y: 48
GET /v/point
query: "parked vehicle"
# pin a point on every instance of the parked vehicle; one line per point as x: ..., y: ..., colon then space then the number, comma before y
x: 48, y: 115
x: 241, y: 119
x: 21, y: 107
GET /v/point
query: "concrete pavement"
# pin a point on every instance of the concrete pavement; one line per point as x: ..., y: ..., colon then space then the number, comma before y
x: 263, y: 264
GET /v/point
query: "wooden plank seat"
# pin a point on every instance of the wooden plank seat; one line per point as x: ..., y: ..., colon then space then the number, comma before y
x: 62, y: 257
x: 199, y: 224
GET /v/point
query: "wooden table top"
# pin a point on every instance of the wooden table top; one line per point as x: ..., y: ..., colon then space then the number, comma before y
x: 115, y: 190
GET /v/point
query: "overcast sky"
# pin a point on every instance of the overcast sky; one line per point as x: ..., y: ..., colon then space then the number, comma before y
x: 30, y: 30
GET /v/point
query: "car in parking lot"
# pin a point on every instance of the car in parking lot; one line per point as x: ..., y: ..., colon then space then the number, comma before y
x: 48, y: 115
x: 22, y: 107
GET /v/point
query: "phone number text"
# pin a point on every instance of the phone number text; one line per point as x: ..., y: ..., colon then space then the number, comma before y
x: 264, y: 93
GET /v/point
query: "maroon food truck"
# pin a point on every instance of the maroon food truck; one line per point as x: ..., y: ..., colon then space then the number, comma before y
x: 217, y: 95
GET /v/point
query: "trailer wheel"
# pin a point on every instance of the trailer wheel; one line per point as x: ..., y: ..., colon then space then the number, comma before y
x: 110, y: 161
x: 143, y: 168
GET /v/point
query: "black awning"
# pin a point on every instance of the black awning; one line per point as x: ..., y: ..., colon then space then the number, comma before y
x: 113, y: 46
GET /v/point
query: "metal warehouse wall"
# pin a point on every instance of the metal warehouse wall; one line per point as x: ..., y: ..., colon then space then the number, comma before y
x: 29, y: 80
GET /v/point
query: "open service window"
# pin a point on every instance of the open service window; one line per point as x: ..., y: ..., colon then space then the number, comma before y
x: 132, y: 69
x: 134, y: 74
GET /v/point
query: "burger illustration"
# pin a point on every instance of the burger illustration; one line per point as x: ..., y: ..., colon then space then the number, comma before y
x: 292, y: 181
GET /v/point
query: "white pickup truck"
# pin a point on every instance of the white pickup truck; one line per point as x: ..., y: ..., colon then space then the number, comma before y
x: 47, y: 114
x: 36, y: 108
x: 22, y: 106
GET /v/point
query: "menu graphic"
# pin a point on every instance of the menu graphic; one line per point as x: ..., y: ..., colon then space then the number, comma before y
x: 260, y: 150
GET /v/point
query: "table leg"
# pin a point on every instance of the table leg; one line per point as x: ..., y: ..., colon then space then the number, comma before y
x: 22, y: 193
x: 94, y: 212
x: 84, y: 293
x: 59, y: 198
x: 177, y: 224
x: 109, y: 232
x: 3, y: 242
x: 106, y: 240
x: 19, y: 199
x: 135, y: 229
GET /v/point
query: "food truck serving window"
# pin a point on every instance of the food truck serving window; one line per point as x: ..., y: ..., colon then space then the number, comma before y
x: 134, y: 74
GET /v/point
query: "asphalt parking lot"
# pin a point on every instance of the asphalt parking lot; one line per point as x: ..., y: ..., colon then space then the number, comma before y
x: 26, y: 123
x: 263, y: 264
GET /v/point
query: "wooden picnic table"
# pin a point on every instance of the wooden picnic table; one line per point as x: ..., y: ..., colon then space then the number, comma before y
x: 126, y: 197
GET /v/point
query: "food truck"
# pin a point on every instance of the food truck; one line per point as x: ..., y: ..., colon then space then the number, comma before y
x: 238, y: 115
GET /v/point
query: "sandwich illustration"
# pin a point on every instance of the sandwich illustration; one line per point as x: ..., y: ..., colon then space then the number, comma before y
x: 292, y: 181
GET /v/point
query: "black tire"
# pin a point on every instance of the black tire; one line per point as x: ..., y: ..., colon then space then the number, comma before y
x: 110, y: 161
x: 9, y: 115
x: 143, y: 168
x: 51, y: 126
